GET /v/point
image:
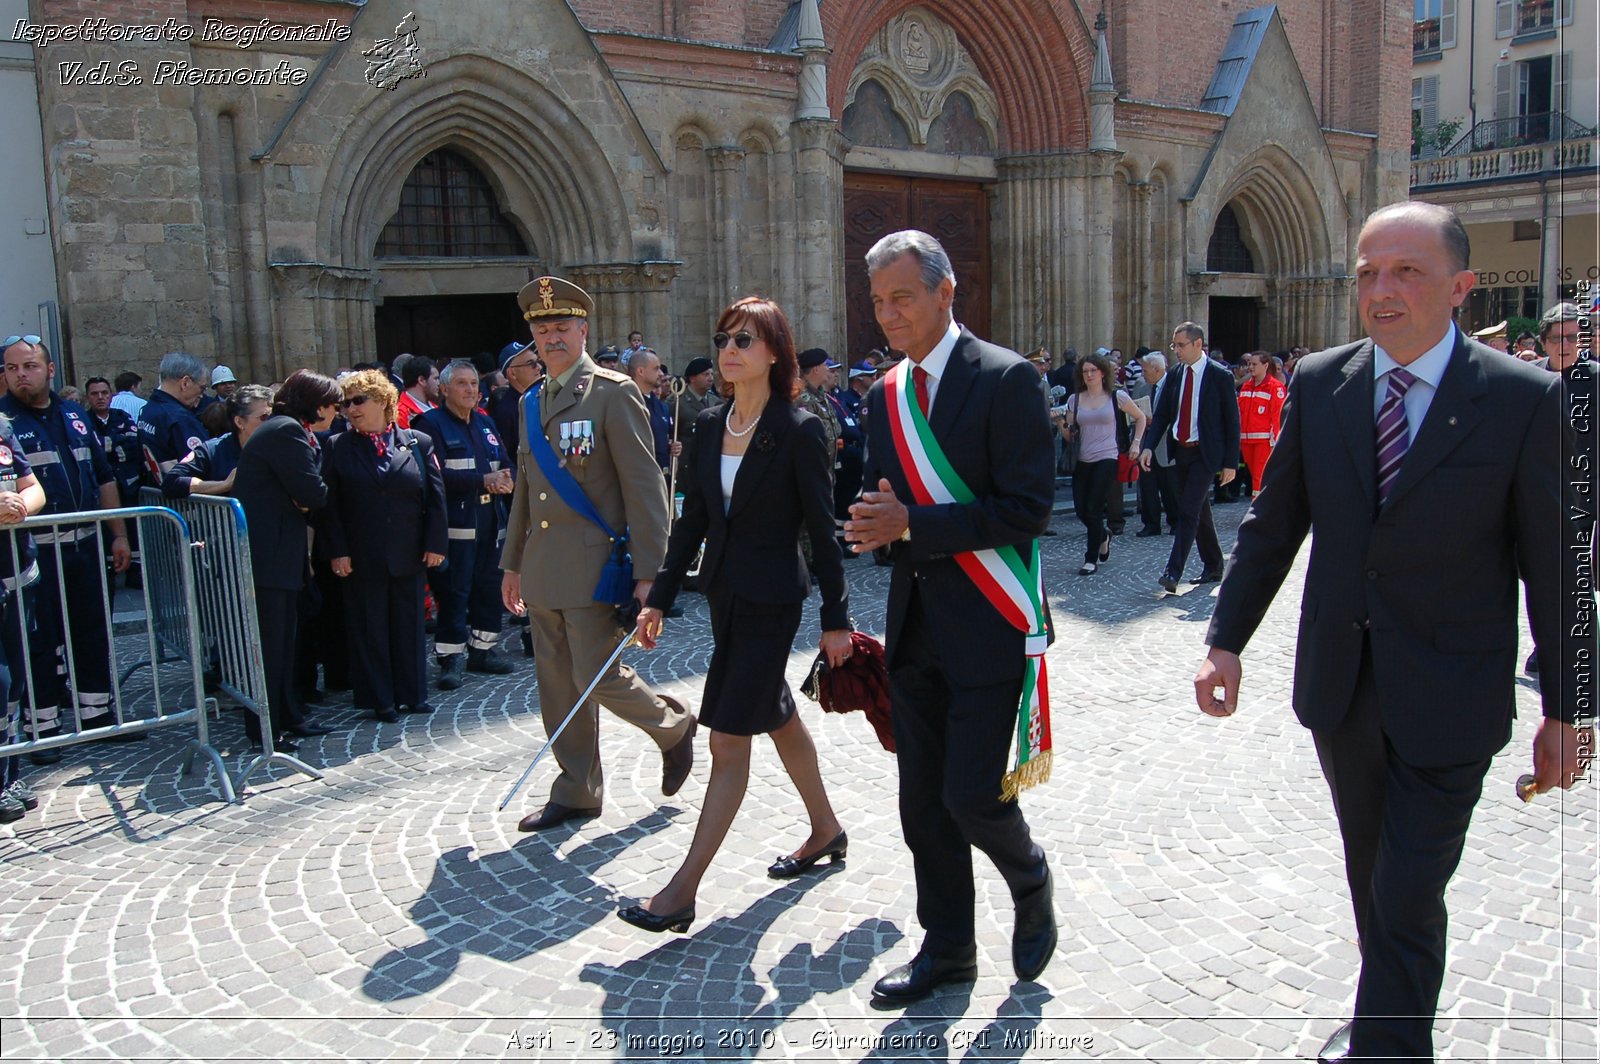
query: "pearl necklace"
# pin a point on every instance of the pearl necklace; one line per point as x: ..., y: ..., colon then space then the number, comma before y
x: 740, y: 433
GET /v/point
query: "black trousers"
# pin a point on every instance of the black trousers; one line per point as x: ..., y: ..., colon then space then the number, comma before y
x: 387, y: 665
x: 1404, y: 827
x: 1194, y: 514
x: 1116, y: 512
x: 951, y: 744
x: 1089, y: 493
x: 1158, y: 494
x: 81, y: 632
x: 279, y: 614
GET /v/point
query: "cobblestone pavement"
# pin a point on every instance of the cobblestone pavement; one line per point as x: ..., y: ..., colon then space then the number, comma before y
x: 389, y: 912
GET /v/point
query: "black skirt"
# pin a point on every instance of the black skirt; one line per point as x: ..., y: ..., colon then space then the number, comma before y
x: 746, y: 692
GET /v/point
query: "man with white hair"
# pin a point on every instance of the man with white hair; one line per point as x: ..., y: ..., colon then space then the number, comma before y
x: 168, y: 425
x: 1158, y: 491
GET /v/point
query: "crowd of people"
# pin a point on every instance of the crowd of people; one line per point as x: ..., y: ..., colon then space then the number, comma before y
x: 544, y: 483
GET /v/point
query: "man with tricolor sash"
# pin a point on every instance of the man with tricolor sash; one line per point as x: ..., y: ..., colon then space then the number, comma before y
x: 960, y: 479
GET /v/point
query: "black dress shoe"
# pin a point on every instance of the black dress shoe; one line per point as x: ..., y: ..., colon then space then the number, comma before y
x: 1145, y: 533
x: 1033, y: 941
x: 46, y: 757
x: 791, y: 866
x: 926, y: 973
x: 386, y: 716
x: 285, y: 746
x: 307, y: 731
x: 645, y: 920
x: 552, y: 814
x: 420, y: 707
x: 1168, y: 583
x: 677, y: 762
x: 487, y: 661
x: 1210, y: 576
x: 452, y: 671
x: 1337, y: 1048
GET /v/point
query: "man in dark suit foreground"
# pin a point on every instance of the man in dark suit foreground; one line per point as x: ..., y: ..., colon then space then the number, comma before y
x: 957, y: 666
x: 1427, y: 468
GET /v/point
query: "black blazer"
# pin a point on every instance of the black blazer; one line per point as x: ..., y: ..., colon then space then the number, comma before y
x: 782, y: 486
x: 1432, y: 578
x: 278, y: 474
x: 383, y: 523
x: 988, y: 419
x: 1219, y: 417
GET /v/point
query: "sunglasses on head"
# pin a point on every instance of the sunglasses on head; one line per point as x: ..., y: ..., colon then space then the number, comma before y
x: 354, y: 400
x: 742, y: 340
x: 28, y: 339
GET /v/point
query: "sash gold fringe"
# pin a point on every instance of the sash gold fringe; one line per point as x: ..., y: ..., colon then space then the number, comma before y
x: 1031, y: 774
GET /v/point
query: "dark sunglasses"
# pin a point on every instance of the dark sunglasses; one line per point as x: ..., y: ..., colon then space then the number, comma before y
x: 742, y: 340
x: 29, y: 339
x: 354, y: 400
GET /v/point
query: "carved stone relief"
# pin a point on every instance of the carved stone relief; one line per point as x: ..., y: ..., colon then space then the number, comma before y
x: 916, y: 79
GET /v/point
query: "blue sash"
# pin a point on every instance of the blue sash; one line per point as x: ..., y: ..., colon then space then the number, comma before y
x: 616, y: 578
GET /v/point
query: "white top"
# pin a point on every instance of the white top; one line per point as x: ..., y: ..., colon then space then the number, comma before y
x: 1428, y: 368
x: 935, y: 362
x: 730, y: 470
x: 1180, y: 371
x: 129, y: 402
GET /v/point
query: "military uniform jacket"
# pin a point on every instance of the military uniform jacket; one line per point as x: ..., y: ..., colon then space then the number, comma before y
x: 817, y: 402
x: 596, y: 424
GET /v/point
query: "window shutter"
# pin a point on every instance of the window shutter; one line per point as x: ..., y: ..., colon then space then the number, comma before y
x: 1560, y: 83
x: 1505, y: 18
x: 1502, y: 91
x: 1447, y: 24
x: 1563, y: 12
x: 1430, y: 103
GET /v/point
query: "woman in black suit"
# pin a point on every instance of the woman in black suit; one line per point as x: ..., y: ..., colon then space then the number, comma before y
x: 278, y: 482
x: 760, y: 475
x: 384, y: 523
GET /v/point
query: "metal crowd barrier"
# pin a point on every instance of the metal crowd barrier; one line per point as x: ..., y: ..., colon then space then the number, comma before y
x: 224, y: 608
x: 171, y: 632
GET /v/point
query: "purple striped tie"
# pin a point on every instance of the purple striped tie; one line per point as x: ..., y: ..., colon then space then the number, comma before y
x: 1393, y: 439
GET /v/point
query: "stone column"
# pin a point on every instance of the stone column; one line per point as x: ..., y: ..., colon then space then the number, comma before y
x: 819, y: 214
x: 628, y: 295
x: 1142, y: 248
x: 1550, y: 246
x: 727, y: 183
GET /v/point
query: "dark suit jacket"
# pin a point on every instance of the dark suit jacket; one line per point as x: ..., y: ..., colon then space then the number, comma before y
x: 383, y: 523
x: 1219, y: 417
x: 988, y: 419
x: 1432, y: 578
x: 783, y: 485
x: 278, y: 474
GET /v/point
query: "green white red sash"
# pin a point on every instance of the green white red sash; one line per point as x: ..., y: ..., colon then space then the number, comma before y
x: 1012, y: 581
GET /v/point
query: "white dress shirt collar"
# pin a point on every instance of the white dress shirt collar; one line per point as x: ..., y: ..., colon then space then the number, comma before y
x: 1429, y: 368
x: 935, y: 362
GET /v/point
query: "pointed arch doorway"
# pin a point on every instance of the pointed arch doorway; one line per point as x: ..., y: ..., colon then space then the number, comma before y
x: 955, y: 212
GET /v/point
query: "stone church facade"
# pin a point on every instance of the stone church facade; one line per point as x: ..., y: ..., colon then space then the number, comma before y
x: 358, y: 180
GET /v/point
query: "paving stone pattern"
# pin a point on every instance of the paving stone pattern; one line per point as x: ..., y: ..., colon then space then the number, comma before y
x: 390, y: 912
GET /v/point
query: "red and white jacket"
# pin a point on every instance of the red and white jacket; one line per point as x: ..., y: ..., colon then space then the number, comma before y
x: 1260, y: 409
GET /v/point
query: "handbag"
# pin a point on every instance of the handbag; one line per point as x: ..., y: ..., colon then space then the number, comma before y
x: 861, y: 683
x: 1127, y: 469
x: 615, y: 586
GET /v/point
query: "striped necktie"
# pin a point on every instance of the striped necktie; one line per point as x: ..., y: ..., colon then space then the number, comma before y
x: 1393, y: 436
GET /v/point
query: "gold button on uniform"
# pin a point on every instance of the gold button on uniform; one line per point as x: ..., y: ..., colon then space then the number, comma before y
x: 544, y: 524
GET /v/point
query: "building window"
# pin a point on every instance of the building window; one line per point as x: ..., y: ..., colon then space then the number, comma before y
x: 1525, y: 230
x: 1433, y: 25
x: 1513, y: 18
x: 871, y: 119
x: 448, y: 210
x: 1227, y: 252
x: 958, y: 130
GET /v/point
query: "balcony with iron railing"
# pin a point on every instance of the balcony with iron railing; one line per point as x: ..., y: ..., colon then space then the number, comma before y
x: 1510, y: 149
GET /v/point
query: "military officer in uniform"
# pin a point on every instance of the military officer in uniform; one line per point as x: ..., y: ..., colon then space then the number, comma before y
x: 590, y: 423
x: 476, y: 474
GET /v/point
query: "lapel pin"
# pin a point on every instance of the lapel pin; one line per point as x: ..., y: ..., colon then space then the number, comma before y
x: 1452, y: 421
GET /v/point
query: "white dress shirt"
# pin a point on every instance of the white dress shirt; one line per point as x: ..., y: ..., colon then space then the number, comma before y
x: 1428, y: 371
x: 935, y: 362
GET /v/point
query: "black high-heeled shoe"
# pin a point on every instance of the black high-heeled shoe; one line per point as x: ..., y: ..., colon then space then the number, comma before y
x: 791, y: 866
x: 645, y: 920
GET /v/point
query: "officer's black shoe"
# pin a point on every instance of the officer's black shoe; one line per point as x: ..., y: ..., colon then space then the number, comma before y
x: 452, y: 671
x: 489, y: 662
